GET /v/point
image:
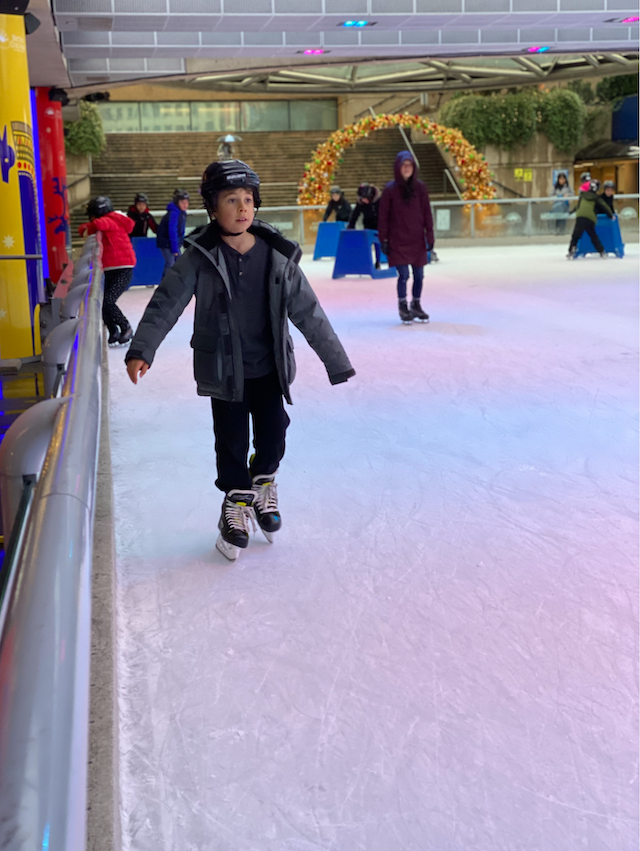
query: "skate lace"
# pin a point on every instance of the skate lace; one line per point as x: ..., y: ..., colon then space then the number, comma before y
x: 267, y: 497
x: 239, y: 517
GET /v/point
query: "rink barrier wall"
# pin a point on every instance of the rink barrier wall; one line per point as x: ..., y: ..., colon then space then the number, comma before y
x: 45, y: 618
x: 498, y: 218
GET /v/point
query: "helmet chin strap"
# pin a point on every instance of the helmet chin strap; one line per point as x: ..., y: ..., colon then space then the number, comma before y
x: 226, y: 232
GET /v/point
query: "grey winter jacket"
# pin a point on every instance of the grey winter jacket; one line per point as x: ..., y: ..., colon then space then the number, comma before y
x: 217, y: 353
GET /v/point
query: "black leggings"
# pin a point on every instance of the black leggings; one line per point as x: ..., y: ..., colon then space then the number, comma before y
x: 263, y: 403
x: 583, y: 224
x: 116, y: 281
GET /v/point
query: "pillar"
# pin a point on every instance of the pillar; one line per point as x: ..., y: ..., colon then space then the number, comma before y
x: 53, y: 166
x: 19, y: 286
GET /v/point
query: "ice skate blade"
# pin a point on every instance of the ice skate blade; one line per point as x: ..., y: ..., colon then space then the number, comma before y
x: 268, y: 535
x: 228, y: 550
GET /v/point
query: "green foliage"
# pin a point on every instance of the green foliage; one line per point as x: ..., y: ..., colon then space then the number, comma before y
x: 583, y: 89
x: 506, y: 120
x: 598, y: 123
x: 86, y: 135
x: 562, y: 118
x: 503, y: 120
x: 612, y: 88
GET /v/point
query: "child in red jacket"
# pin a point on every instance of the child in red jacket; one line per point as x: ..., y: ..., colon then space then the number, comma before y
x: 118, y: 260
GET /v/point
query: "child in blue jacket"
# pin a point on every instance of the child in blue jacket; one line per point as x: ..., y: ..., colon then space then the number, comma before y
x: 171, y: 229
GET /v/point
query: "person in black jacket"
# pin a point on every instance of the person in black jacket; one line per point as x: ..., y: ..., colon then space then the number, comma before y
x: 247, y: 284
x: 608, y: 194
x: 338, y: 205
x: 142, y: 218
x: 367, y: 207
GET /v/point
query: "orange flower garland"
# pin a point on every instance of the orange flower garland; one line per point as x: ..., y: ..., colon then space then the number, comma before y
x: 319, y: 173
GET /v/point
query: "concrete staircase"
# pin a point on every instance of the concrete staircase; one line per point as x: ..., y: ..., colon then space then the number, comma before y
x: 157, y: 163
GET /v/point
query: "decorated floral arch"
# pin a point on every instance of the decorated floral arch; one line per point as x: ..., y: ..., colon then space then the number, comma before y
x: 319, y: 173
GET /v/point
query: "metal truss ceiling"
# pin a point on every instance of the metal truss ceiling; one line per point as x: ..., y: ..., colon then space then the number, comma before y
x: 116, y: 40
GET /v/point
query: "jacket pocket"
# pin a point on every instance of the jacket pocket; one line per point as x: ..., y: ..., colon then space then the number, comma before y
x: 290, y: 360
x: 208, y: 361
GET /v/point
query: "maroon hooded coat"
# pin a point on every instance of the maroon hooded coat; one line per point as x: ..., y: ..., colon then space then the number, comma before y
x: 406, y: 224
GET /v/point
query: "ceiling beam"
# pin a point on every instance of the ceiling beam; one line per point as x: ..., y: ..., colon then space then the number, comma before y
x: 530, y: 65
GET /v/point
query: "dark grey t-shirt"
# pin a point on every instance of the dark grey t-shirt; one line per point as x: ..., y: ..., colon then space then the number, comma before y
x: 248, y: 274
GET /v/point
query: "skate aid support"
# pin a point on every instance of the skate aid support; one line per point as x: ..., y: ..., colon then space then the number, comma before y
x: 609, y: 232
x: 355, y: 255
x: 149, y: 267
x: 327, y: 239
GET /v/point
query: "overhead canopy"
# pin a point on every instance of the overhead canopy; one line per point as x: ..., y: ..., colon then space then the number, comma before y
x: 107, y: 41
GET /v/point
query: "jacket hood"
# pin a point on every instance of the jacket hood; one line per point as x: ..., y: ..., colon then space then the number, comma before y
x: 120, y: 219
x: 171, y: 206
x: 400, y: 158
x: 208, y: 237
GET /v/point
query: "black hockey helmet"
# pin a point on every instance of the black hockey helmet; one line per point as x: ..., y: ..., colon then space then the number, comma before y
x: 609, y: 184
x: 586, y: 175
x: 335, y: 190
x: 228, y: 174
x: 99, y: 206
x: 367, y: 190
x: 180, y: 195
x: 140, y: 196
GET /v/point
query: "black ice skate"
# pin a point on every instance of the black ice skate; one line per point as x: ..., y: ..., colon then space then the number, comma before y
x: 265, y: 505
x: 571, y: 252
x: 417, y: 312
x: 405, y: 314
x: 114, y: 336
x: 234, y: 521
x: 125, y: 335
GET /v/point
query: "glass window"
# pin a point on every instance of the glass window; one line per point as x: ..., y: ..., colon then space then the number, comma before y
x: 215, y: 117
x: 265, y: 115
x: 120, y: 117
x: 165, y: 117
x: 314, y: 114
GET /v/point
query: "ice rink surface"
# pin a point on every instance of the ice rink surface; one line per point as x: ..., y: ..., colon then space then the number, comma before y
x: 438, y: 653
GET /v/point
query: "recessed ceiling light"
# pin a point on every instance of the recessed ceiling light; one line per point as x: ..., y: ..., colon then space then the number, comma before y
x: 314, y: 51
x: 537, y: 49
x: 357, y: 24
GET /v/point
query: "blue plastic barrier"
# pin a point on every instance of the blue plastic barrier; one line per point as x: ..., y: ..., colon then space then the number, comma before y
x: 149, y: 266
x: 327, y: 239
x: 609, y: 232
x: 354, y: 255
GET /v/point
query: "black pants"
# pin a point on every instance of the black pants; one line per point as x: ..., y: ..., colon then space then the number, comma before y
x: 116, y: 281
x: 263, y: 402
x: 582, y: 225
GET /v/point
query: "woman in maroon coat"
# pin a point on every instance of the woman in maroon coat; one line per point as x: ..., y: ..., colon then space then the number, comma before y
x: 405, y: 226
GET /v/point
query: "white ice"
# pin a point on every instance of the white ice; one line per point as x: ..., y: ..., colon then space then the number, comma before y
x: 438, y: 653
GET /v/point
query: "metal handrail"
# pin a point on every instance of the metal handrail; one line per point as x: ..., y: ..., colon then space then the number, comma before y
x: 45, y: 638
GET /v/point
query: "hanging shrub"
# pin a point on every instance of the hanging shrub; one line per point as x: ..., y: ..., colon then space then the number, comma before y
x: 506, y: 120
x: 502, y: 120
x: 86, y: 135
x: 562, y: 118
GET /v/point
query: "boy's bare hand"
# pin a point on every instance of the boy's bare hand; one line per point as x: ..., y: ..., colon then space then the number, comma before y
x: 135, y: 368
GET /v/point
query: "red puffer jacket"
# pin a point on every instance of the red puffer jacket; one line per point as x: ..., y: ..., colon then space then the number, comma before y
x: 117, y: 251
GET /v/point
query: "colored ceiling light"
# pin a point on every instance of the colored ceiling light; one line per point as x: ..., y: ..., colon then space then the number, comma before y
x: 633, y: 20
x: 313, y: 51
x: 537, y: 49
x: 357, y: 24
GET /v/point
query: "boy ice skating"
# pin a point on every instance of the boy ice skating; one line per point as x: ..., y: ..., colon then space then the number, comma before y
x: 609, y: 194
x: 247, y: 282
x: 141, y: 215
x: 118, y: 260
x: 589, y: 204
x: 170, y: 235
x: 339, y: 205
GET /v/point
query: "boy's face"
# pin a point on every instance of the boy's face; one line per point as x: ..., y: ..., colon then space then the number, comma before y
x: 141, y: 206
x: 235, y: 210
x: 183, y: 204
x: 335, y: 196
x: 608, y: 191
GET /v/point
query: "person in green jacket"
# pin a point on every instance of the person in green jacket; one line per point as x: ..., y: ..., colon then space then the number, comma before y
x: 589, y: 204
